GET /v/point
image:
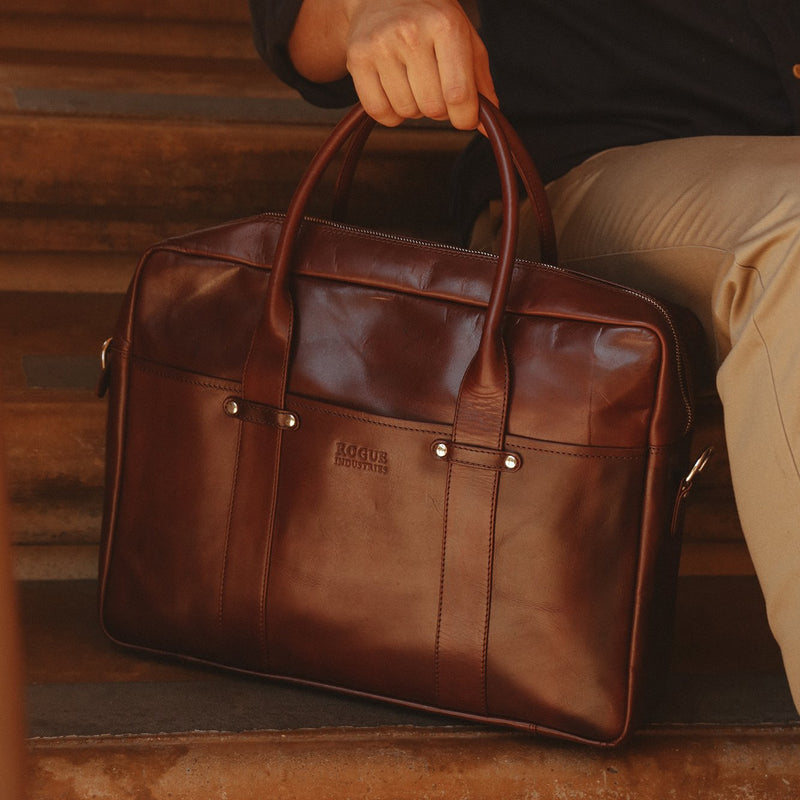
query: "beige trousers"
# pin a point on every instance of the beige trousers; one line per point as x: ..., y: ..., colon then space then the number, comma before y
x: 713, y: 223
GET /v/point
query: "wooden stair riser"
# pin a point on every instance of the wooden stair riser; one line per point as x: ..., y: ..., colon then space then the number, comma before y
x: 232, y: 11
x: 32, y: 33
x: 401, y: 764
x: 170, y: 171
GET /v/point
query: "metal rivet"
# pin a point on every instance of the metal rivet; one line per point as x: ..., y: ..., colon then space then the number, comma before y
x: 291, y: 421
x: 440, y: 451
x: 511, y: 461
x: 231, y: 407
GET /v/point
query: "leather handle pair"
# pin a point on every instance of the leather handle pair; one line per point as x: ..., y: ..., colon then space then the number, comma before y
x: 267, y: 367
x: 527, y: 171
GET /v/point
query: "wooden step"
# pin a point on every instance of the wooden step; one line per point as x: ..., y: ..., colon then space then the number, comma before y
x: 53, y: 424
x: 69, y: 82
x: 208, y: 10
x: 121, y: 131
x: 403, y: 764
x: 105, y: 722
x: 24, y: 34
x: 69, y: 273
x: 59, y: 234
x: 158, y: 176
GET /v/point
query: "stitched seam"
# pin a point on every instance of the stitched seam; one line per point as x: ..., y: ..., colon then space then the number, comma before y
x: 769, y: 360
x: 228, y: 527
x: 476, y: 465
x: 355, y: 418
x: 436, y: 659
x: 267, y: 569
x: 166, y: 372
x: 636, y: 457
x: 653, y: 249
x: 488, y: 595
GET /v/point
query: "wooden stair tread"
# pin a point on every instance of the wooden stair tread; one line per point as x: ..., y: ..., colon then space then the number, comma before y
x: 408, y: 764
x: 208, y: 39
x: 726, y: 671
x: 154, y: 174
x: 236, y: 11
x: 105, y: 722
x: 22, y: 72
x: 66, y: 272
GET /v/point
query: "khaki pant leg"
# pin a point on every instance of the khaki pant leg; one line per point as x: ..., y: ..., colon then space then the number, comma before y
x: 713, y: 223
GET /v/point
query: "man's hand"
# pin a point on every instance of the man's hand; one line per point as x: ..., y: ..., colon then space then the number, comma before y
x: 407, y: 58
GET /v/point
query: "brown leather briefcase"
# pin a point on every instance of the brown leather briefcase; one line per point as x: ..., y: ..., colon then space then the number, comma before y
x: 395, y: 468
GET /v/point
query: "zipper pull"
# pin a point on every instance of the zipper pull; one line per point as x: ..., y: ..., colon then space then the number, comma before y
x: 105, y: 377
x: 686, y: 487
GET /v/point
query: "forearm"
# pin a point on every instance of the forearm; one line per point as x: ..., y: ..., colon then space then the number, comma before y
x: 318, y: 44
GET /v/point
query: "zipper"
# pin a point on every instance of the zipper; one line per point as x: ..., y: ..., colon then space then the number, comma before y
x: 681, y: 357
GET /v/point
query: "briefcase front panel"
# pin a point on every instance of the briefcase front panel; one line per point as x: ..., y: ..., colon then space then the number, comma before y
x: 349, y: 587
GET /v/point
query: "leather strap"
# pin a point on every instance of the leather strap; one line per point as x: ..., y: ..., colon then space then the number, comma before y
x: 480, y: 421
x: 471, y: 498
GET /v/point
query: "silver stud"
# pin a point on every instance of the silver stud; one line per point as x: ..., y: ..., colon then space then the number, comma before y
x: 231, y: 407
x: 440, y: 451
x: 291, y: 420
x: 511, y: 461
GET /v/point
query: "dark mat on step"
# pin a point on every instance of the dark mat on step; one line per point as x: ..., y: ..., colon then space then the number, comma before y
x: 233, y: 704
x: 229, y: 705
x: 726, y: 671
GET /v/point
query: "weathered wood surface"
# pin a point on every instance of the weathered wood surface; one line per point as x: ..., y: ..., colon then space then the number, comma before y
x: 109, y: 723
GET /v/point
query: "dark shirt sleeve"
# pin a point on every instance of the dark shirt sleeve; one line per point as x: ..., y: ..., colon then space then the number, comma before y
x: 273, y: 22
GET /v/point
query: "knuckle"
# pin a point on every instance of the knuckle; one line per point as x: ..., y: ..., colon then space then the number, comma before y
x: 358, y: 59
x: 407, y: 109
x: 450, y: 23
x: 432, y: 108
x: 381, y: 111
x: 457, y: 94
x: 409, y: 33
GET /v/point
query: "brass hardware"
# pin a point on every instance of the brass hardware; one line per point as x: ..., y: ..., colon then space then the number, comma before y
x: 104, y: 354
x: 260, y: 414
x: 697, y: 468
x: 475, y: 456
x: 287, y: 420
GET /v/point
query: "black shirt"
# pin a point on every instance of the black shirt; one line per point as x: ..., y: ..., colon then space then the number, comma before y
x: 579, y: 76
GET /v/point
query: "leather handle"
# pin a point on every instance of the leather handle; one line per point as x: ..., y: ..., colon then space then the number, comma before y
x: 267, y: 366
x: 531, y: 180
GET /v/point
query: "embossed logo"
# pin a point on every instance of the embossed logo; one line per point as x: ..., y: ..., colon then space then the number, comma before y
x: 365, y: 459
